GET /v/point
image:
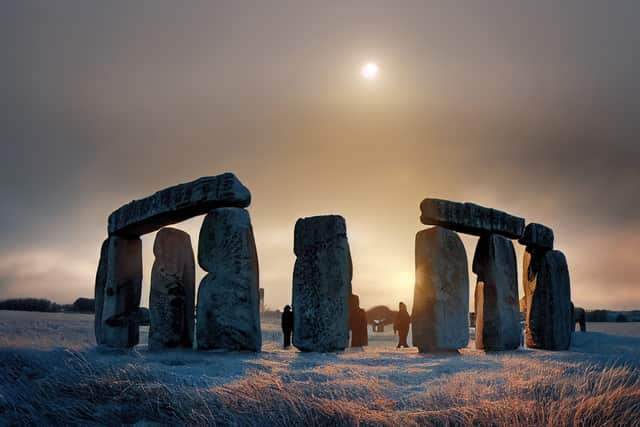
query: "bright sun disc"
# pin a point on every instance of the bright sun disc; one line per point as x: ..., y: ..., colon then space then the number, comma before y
x: 369, y: 71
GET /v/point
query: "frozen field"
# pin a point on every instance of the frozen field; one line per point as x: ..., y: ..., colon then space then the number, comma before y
x: 51, y: 374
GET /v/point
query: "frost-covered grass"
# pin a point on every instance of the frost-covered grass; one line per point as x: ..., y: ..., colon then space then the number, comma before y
x: 597, y: 383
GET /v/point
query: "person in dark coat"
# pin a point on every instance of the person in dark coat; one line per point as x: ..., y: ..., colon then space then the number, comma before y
x: 287, y: 325
x: 401, y: 325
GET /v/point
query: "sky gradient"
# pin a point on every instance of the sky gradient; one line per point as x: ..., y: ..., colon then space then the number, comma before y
x: 529, y: 108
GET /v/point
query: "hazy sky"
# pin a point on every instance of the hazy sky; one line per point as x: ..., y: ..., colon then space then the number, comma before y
x: 530, y: 108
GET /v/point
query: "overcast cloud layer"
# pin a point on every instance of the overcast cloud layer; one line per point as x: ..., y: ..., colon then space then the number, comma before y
x: 533, y: 109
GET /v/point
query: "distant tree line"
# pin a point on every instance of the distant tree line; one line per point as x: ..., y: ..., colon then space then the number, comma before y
x: 30, y: 304
x: 80, y: 305
x: 613, y: 316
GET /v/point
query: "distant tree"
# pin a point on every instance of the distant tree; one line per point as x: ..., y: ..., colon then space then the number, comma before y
x: 621, y: 318
x: 384, y: 314
x: 597, y: 316
x: 29, y: 304
x: 84, y: 305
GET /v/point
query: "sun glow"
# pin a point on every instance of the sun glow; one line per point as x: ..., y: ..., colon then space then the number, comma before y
x: 369, y: 71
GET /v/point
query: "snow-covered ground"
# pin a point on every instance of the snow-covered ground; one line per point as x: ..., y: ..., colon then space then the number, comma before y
x: 51, y: 373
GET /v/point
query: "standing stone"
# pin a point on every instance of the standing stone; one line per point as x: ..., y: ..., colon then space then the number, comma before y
x: 497, y: 308
x: 122, y: 292
x: 357, y: 322
x: 101, y: 280
x: 440, y: 318
x: 470, y: 218
x: 228, y: 311
x: 548, y: 297
x: 173, y: 289
x: 321, y: 284
x: 537, y: 236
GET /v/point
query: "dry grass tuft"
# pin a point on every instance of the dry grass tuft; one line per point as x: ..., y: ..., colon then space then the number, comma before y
x: 64, y: 387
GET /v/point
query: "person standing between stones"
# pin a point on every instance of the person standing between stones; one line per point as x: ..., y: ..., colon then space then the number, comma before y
x: 401, y: 325
x: 287, y: 325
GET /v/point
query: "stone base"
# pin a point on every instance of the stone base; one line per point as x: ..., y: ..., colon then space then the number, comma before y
x: 228, y: 315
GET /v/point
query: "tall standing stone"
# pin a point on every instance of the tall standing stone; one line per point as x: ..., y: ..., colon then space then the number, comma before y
x: 172, y: 296
x: 497, y: 307
x: 548, y: 297
x: 321, y: 284
x: 228, y: 311
x: 122, y: 292
x: 440, y: 318
x: 101, y: 281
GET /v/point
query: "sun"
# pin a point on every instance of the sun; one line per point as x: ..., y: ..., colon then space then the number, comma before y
x: 369, y: 71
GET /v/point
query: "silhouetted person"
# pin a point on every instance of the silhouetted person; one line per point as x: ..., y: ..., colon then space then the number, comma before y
x: 401, y: 325
x: 287, y: 325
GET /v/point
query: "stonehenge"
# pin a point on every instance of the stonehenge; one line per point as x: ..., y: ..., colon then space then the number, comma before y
x: 172, y: 295
x: 228, y: 313
x: 496, y: 297
x: 232, y: 280
x: 230, y: 300
x: 321, y: 284
x: 545, y: 280
x: 440, y: 317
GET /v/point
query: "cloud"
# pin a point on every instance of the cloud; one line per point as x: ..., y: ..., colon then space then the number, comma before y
x: 530, y: 108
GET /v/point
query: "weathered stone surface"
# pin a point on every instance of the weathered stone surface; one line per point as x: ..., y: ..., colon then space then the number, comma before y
x: 496, y: 304
x: 548, y: 296
x: 177, y: 203
x: 321, y: 284
x: 440, y: 318
x: 122, y: 292
x: 538, y: 236
x: 228, y: 311
x: 173, y: 290
x: 101, y: 281
x: 470, y: 218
